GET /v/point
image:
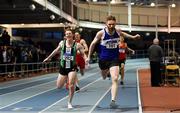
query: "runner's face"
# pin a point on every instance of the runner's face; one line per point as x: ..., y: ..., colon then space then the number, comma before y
x: 68, y: 35
x: 77, y: 36
x: 111, y: 25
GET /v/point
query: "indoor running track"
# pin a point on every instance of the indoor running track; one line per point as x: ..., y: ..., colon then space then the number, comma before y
x: 40, y: 95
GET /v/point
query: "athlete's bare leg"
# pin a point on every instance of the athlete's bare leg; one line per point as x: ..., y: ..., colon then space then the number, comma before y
x: 72, y: 79
x: 114, y: 71
x: 122, y: 73
x: 61, y: 80
x: 104, y: 73
x: 82, y: 72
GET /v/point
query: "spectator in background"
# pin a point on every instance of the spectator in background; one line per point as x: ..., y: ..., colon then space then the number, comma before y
x: 5, y: 38
x: 155, y: 53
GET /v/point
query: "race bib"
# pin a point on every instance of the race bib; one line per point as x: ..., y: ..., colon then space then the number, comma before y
x: 122, y: 51
x: 111, y: 45
x: 67, y: 58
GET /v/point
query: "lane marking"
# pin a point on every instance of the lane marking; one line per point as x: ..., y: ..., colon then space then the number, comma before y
x: 22, y: 109
x: 92, y: 109
x: 138, y: 91
x: 84, y: 77
x: 27, y: 88
x: 25, y: 82
x: 67, y: 96
x: 36, y: 86
x: 33, y: 79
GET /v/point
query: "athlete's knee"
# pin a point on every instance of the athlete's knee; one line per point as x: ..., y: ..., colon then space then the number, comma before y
x: 59, y: 86
x: 115, y: 77
x: 71, y: 86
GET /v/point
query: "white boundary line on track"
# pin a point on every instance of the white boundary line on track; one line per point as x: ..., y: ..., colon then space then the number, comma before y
x: 99, y: 100
x: 41, y: 92
x: 67, y: 96
x: 138, y: 91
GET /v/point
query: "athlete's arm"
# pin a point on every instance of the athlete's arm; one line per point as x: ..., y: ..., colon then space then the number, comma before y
x: 131, y: 50
x: 81, y: 50
x: 126, y: 35
x: 54, y: 52
x: 83, y: 42
x: 93, y: 44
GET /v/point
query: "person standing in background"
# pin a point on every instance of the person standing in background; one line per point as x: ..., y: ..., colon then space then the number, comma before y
x: 5, y: 38
x: 155, y: 53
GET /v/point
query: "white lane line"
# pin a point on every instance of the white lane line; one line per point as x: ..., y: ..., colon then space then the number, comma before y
x: 27, y: 88
x: 84, y: 77
x: 67, y: 96
x: 138, y: 91
x: 36, y: 86
x: 25, y: 82
x: 33, y: 79
x: 26, y: 98
x: 92, y: 109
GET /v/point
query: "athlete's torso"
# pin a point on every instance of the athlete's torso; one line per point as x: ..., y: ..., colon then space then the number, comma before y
x: 122, y: 50
x: 108, y: 47
x: 67, y: 55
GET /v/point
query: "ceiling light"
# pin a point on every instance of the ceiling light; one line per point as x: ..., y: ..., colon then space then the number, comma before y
x: 32, y: 7
x: 132, y: 3
x: 113, y: 1
x: 152, y: 4
x: 52, y: 17
x: 173, y: 5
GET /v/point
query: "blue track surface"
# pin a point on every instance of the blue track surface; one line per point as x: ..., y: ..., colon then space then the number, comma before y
x: 40, y: 95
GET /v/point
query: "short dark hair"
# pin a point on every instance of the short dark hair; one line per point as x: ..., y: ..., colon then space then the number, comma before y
x: 69, y: 29
x: 110, y: 17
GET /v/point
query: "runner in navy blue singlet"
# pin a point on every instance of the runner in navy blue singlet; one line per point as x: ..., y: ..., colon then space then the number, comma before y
x: 108, y: 40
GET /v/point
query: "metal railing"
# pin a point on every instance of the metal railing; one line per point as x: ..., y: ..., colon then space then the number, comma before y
x: 26, y: 69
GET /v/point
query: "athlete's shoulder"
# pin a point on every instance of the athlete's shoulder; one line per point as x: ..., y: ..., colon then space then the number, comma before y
x: 100, y: 33
x: 82, y: 41
x: 61, y: 43
x: 118, y: 30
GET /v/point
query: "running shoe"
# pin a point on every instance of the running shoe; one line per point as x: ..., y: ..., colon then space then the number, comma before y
x: 122, y: 83
x: 113, y: 105
x: 70, y: 106
x: 77, y: 88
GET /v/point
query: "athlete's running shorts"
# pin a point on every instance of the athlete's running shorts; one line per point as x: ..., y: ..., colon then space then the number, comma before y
x: 80, y: 61
x: 106, y: 64
x: 122, y: 61
x: 65, y: 71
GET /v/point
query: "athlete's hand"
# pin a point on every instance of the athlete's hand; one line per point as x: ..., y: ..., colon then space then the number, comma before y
x: 133, y: 52
x: 137, y: 36
x: 87, y: 61
x: 87, y: 66
x: 45, y: 60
